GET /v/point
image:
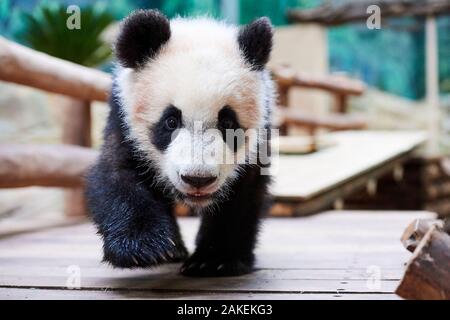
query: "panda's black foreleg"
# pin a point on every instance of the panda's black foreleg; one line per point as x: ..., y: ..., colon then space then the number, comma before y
x: 137, y: 224
x: 227, y: 236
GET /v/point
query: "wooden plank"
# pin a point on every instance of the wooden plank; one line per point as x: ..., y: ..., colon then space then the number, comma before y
x: 302, y: 177
x: 327, y: 199
x: 52, y: 294
x: 183, y: 284
x: 166, y: 272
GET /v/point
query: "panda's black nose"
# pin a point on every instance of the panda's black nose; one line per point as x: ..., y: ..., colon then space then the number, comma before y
x: 198, y: 181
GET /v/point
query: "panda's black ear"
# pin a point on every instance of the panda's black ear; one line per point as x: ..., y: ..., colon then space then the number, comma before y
x: 141, y: 36
x: 255, y: 42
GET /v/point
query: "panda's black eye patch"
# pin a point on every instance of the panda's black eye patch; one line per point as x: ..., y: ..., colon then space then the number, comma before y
x: 228, y: 124
x: 168, y: 123
x: 227, y: 119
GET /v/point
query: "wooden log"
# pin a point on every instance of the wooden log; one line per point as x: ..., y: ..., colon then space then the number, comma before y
x: 286, y: 77
x: 355, y: 11
x: 43, y: 165
x: 77, y: 131
x: 416, y: 231
x: 428, y: 272
x: 19, y: 64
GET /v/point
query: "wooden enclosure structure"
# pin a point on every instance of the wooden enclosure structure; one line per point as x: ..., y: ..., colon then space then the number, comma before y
x: 64, y: 165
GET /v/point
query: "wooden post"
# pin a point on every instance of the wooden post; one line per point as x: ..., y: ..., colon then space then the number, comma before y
x: 341, y: 102
x: 77, y: 131
x: 283, y: 101
x: 432, y: 85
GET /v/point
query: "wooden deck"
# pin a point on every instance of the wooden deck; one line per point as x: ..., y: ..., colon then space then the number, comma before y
x: 335, y: 255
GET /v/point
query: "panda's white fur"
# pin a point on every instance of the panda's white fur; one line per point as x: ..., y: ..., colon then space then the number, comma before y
x: 199, y: 70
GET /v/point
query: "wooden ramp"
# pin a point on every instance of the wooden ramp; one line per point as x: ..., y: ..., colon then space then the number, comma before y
x: 335, y: 255
x: 313, y: 182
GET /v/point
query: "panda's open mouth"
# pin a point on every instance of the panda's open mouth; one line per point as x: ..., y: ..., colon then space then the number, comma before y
x: 198, y: 196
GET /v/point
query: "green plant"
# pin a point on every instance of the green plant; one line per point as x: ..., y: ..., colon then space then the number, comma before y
x: 46, y: 30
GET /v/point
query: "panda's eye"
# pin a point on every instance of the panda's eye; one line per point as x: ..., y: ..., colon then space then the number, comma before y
x: 227, y: 123
x: 171, y: 123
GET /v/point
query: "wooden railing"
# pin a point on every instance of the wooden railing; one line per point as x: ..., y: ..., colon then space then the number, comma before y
x: 64, y: 165
x: 53, y: 165
x: 339, y: 87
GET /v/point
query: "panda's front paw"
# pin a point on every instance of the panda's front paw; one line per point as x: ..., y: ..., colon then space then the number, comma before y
x: 142, y: 251
x: 205, y: 265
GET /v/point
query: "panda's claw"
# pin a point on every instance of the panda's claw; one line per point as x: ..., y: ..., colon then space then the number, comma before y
x: 142, y: 252
x: 196, y: 266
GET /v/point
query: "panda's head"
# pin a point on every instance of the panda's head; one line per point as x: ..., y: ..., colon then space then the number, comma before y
x: 191, y: 91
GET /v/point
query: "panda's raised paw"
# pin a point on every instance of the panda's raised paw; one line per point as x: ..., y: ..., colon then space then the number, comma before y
x: 142, y: 252
x: 202, y: 266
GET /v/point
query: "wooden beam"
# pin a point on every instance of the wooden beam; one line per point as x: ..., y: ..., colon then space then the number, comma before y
x: 28, y: 67
x: 43, y: 165
x: 286, y: 77
x: 356, y: 11
x: 427, y: 273
x: 432, y: 86
x: 330, y: 121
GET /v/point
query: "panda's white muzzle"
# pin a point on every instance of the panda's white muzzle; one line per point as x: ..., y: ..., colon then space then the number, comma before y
x: 195, y: 165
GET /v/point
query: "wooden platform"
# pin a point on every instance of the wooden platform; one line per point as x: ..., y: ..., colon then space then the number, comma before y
x: 313, y: 182
x: 335, y: 255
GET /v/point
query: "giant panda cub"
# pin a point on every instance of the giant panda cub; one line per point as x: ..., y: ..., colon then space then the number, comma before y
x: 182, y: 90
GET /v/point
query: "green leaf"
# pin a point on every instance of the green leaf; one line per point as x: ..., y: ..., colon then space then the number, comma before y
x: 46, y: 30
